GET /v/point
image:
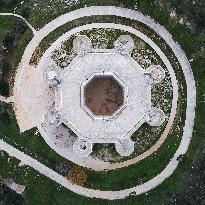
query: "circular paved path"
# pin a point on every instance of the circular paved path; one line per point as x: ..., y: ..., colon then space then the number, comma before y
x: 99, y: 165
x: 190, y: 112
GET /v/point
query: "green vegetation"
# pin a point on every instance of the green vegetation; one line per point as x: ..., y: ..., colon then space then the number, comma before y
x: 185, y: 186
x: 14, y: 37
x: 29, y: 142
x: 9, y: 197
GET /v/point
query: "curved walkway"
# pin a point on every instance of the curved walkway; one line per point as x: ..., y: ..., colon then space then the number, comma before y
x: 6, y: 99
x: 19, y: 16
x: 190, y: 112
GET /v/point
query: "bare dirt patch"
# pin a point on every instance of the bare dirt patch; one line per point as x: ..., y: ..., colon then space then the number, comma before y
x: 103, y: 96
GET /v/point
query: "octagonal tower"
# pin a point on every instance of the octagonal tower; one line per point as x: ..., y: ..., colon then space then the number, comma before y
x: 104, y: 95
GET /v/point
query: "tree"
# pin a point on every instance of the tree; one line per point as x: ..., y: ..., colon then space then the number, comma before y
x: 4, y: 88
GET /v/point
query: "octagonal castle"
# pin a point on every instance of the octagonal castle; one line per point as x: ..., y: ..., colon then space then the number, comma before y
x: 104, y: 95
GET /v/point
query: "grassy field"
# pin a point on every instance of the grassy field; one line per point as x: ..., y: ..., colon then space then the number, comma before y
x: 185, y: 186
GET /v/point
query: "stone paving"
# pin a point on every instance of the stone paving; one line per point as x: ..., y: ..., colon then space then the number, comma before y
x: 6, y: 99
x: 18, y: 188
x: 21, y: 99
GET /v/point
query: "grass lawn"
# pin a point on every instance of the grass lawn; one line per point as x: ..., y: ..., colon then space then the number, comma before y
x: 177, y: 188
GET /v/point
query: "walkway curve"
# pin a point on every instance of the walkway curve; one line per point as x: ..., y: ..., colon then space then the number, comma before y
x: 19, y: 16
x: 190, y: 112
x: 95, y: 165
x: 6, y: 99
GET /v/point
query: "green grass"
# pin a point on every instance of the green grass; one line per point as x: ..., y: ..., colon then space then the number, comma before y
x: 28, y: 142
x: 50, y: 192
x: 136, y: 174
